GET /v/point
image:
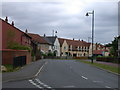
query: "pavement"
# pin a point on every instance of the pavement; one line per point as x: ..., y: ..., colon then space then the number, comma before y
x: 106, y: 63
x: 26, y: 72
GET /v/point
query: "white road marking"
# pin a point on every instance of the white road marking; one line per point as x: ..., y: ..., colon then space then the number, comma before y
x: 39, y: 81
x: 46, y: 62
x: 98, y: 81
x: 84, y: 77
x: 42, y: 83
x: 49, y: 87
x: 39, y: 70
x: 107, y: 87
x: 68, y: 86
x: 45, y: 85
x: 31, y: 81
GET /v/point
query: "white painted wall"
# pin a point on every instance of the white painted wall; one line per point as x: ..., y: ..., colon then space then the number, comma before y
x: 57, y: 46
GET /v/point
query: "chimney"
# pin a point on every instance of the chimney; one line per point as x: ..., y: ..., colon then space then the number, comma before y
x: 26, y: 31
x: 79, y: 39
x: 44, y: 35
x: 82, y: 40
x: 6, y: 19
x: 73, y: 38
x: 12, y: 23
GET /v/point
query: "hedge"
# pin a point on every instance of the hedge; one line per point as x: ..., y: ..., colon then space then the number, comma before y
x: 109, y: 59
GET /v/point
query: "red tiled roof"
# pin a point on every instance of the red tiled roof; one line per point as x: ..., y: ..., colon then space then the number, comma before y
x: 37, y: 38
x: 74, y: 43
x: 99, y: 51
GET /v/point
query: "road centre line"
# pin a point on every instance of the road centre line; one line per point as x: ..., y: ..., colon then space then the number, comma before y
x: 84, y: 77
x: 40, y: 69
x: 98, y: 81
x: 68, y: 86
x: 46, y: 62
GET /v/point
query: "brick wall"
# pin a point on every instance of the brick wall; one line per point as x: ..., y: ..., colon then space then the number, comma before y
x: 8, y: 55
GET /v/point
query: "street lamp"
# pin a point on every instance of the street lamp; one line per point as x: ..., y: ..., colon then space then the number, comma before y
x: 87, y: 14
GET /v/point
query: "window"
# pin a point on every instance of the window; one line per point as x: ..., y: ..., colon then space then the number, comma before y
x: 65, y: 48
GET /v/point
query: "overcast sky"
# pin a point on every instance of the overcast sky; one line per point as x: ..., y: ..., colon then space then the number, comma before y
x: 66, y: 17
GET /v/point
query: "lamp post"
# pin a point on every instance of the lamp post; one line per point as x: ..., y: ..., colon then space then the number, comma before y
x: 87, y: 14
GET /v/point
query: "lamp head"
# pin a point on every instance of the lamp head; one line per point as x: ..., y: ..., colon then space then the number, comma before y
x: 87, y: 14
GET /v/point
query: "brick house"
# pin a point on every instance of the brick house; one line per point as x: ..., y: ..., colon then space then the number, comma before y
x: 10, y: 36
x: 11, y: 33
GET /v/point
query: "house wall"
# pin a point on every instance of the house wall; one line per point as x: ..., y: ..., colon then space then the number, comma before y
x: 44, y: 48
x: 57, y: 47
x: 11, y: 33
x: 9, y: 54
x: 79, y: 53
x: 90, y: 49
x: 64, y: 48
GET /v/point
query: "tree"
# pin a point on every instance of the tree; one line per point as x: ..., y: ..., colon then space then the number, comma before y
x: 114, y: 46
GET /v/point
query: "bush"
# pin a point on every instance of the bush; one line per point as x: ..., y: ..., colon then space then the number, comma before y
x: 50, y: 54
x: 108, y: 59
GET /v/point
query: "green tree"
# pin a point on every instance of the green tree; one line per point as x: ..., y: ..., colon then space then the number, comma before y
x: 114, y: 47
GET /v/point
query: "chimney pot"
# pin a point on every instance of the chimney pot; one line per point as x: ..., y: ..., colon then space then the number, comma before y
x: 44, y: 35
x: 6, y: 19
x: 26, y: 31
x: 12, y: 23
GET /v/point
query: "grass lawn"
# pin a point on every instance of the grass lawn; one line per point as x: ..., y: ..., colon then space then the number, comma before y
x: 103, y: 66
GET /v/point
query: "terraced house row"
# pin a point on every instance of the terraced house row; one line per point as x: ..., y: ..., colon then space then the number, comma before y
x: 43, y: 45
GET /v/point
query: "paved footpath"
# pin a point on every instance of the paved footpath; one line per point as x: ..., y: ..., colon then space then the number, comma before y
x: 25, y: 72
x: 106, y: 63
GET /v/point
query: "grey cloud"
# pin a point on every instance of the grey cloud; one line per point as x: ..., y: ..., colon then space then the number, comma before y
x: 43, y: 17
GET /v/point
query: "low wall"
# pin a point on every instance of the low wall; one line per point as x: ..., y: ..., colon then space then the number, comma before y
x: 64, y: 57
x: 9, y: 54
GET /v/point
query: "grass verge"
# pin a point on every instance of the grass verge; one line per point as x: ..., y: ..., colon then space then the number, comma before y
x: 10, y: 68
x: 103, y: 66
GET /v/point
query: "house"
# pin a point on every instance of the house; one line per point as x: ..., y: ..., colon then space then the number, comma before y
x: 99, y: 50
x: 74, y: 48
x: 100, y: 53
x: 12, y: 36
x: 53, y: 40
x: 41, y: 46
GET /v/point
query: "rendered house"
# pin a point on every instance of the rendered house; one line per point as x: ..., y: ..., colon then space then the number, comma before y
x: 74, y: 48
x: 99, y: 50
x: 42, y: 46
x: 53, y: 40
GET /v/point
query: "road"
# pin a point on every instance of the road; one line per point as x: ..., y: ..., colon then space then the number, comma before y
x: 67, y: 74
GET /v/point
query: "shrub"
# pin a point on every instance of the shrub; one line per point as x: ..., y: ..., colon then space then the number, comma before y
x: 108, y: 59
x: 17, y: 46
x: 50, y: 54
